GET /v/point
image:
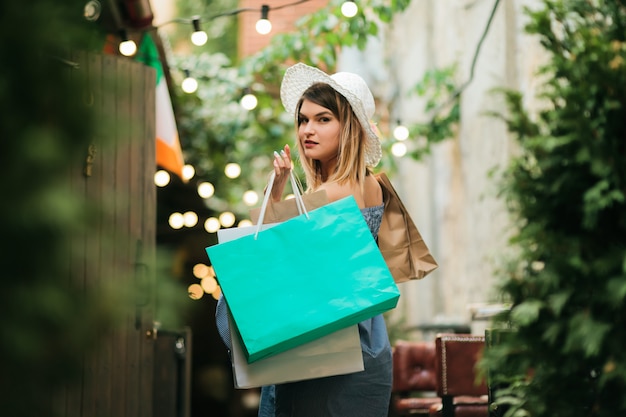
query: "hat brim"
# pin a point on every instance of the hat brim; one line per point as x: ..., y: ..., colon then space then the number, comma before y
x: 299, y: 77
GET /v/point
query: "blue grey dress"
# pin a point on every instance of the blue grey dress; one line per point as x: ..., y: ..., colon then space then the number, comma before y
x: 360, y: 394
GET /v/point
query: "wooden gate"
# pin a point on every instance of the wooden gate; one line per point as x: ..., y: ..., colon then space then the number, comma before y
x: 118, y: 174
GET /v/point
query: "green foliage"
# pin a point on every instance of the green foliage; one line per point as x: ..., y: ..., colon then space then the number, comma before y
x: 565, y: 355
x: 441, y: 104
x: 214, y: 130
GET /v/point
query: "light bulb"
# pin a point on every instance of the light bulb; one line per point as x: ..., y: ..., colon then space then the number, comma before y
x: 161, y: 178
x: 206, y: 189
x: 232, y: 170
x: 349, y: 9
x: 190, y: 219
x: 189, y: 85
x: 398, y: 149
x: 208, y: 284
x: 195, y: 291
x: 188, y: 172
x: 212, y: 225
x: 263, y: 26
x: 250, y: 197
x: 92, y: 10
x: 128, y: 48
x: 199, y: 38
x: 249, y: 101
x: 227, y: 219
x: 176, y: 220
x: 401, y: 132
x: 200, y: 270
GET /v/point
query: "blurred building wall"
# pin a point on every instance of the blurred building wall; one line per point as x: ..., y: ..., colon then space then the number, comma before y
x: 451, y: 195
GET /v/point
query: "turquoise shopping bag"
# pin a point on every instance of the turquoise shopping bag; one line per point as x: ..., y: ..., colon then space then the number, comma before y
x: 303, y: 279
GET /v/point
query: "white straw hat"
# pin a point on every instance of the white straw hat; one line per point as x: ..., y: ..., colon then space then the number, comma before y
x: 299, y: 77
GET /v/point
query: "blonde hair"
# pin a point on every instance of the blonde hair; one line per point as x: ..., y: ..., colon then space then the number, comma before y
x: 351, y: 165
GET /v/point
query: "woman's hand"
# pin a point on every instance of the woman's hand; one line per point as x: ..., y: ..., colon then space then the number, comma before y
x: 282, y: 168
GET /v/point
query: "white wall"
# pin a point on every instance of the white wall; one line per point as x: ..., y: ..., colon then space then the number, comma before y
x: 451, y: 196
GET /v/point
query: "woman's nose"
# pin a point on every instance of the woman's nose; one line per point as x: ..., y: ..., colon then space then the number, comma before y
x: 307, y: 127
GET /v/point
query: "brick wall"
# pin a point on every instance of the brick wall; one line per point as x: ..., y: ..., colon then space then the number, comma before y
x: 283, y: 20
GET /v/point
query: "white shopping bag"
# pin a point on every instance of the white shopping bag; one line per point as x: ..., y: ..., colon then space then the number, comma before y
x: 336, y: 354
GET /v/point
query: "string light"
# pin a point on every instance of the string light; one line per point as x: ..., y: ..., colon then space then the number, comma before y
x: 263, y: 25
x: 244, y: 223
x: 198, y: 37
x: 200, y: 270
x: 400, y: 132
x: 398, y: 149
x: 195, y: 291
x: 349, y: 9
x: 161, y: 178
x: 127, y: 46
x: 227, y: 219
x: 250, y: 198
x: 190, y: 219
x: 232, y: 170
x: 211, y: 225
x: 249, y: 100
x: 92, y: 10
x: 176, y: 220
x: 189, y: 84
x: 206, y: 190
x: 188, y: 172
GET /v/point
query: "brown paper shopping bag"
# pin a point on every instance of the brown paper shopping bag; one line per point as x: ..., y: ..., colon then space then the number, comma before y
x: 286, y: 209
x: 399, y: 241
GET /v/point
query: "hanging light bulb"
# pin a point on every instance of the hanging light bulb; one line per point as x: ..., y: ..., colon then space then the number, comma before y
x: 398, y: 149
x: 250, y: 197
x: 92, y: 10
x: 190, y: 218
x: 127, y: 46
x: 227, y: 219
x: 263, y: 25
x: 198, y: 37
x: 212, y: 224
x: 249, y: 100
x: 176, y: 220
x: 206, y: 189
x: 189, y: 84
x: 232, y: 170
x: 244, y: 223
x: 400, y: 132
x: 161, y: 178
x: 188, y: 172
x: 349, y: 9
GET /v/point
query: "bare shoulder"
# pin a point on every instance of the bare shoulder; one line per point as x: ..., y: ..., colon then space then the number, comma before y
x: 373, y: 194
x: 370, y: 195
x: 336, y: 191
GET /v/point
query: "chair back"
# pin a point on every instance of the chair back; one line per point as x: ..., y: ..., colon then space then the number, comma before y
x: 456, y: 358
x: 414, y: 366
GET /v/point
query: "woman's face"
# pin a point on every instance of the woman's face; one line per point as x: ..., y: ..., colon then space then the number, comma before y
x: 318, y: 132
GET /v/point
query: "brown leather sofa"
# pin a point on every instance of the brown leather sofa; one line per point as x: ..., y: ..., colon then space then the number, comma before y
x: 414, y: 379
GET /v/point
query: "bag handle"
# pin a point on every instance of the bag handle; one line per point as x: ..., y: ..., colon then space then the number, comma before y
x: 297, y: 193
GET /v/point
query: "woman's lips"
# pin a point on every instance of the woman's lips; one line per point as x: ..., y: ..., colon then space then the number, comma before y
x: 309, y: 144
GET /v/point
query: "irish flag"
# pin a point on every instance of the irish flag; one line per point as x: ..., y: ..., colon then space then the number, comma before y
x: 168, y: 151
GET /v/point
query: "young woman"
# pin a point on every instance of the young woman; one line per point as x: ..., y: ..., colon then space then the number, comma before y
x: 336, y: 146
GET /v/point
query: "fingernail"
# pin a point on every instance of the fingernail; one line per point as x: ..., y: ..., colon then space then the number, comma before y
x: 276, y: 154
x: 282, y: 153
